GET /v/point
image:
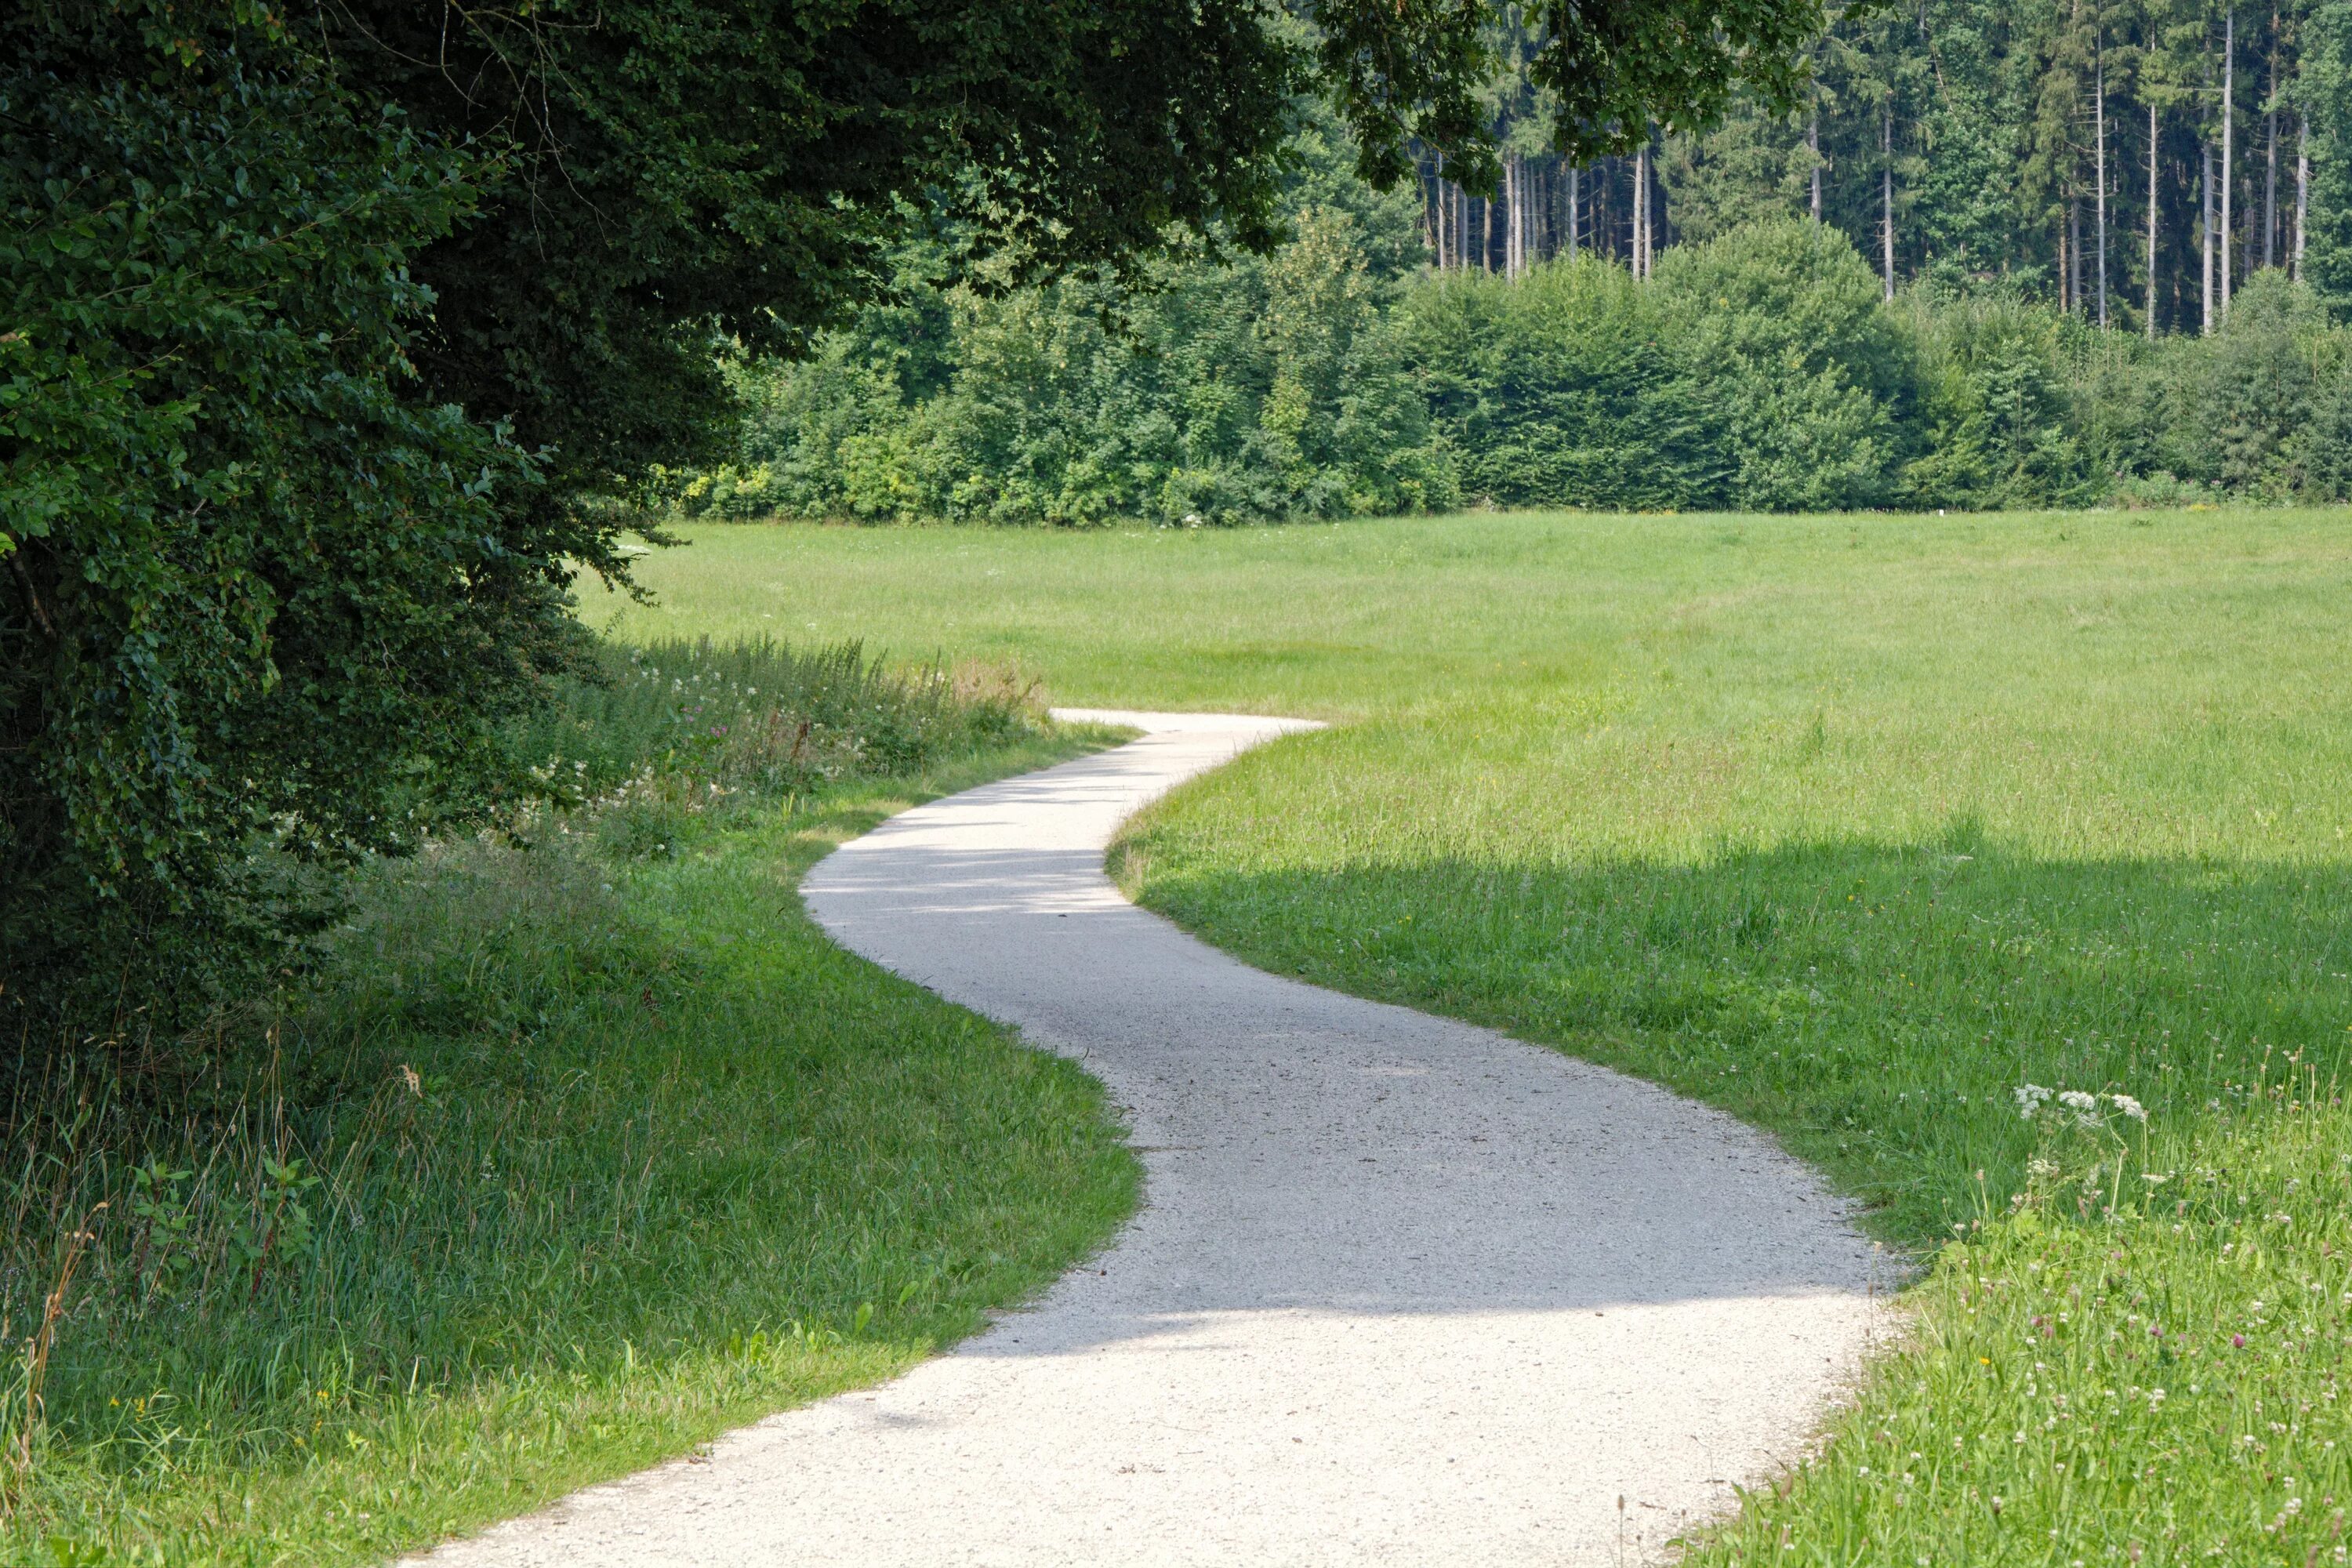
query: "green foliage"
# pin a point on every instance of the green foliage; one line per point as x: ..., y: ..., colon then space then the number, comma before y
x: 330, y: 339
x: 1996, y: 408
x: 2325, y: 93
x: 1760, y: 369
x: 1222, y: 394
x: 258, y: 591
x: 1566, y: 385
x: 1782, y: 329
x: 1609, y: 73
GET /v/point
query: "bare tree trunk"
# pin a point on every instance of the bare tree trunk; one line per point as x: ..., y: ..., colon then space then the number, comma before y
x: 1510, y: 221
x: 2153, y: 213
x: 1604, y: 209
x: 1886, y: 189
x: 1814, y: 145
x: 2073, y: 253
x: 1520, y: 213
x: 2205, y: 225
x: 1531, y: 185
x: 1428, y: 219
x: 2099, y: 156
x: 2270, y: 155
x: 1575, y: 200
x: 1641, y: 212
x: 2228, y: 144
x: 1547, y: 210
x: 2302, y: 186
x: 1433, y: 207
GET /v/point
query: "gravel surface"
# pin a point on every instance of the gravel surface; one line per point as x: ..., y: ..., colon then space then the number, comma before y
x: 1402, y: 1290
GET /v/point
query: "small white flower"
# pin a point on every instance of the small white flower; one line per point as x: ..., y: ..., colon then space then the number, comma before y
x: 2076, y: 1100
x: 2129, y: 1107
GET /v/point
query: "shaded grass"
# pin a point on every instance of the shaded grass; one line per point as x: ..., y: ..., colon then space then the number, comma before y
x: 576, y: 1156
x: 1847, y: 824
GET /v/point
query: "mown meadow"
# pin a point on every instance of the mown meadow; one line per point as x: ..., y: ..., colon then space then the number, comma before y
x: 1854, y: 826
x: 578, y: 1145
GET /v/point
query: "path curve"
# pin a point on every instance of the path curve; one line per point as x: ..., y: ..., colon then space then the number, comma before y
x: 1402, y: 1290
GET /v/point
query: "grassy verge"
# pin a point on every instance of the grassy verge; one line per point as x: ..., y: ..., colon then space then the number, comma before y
x: 1849, y: 825
x: 578, y: 1154
x: 2140, y: 1359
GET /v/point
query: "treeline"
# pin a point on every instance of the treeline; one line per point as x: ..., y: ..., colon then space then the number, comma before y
x: 1762, y: 369
x: 2133, y: 163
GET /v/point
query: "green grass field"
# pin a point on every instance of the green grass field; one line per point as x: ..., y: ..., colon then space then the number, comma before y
x: 576, y: 1156
x: 1850, y: 825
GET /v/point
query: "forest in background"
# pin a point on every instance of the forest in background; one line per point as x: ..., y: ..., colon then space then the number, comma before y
x: 2056, y: 254
x: 2133, y: 163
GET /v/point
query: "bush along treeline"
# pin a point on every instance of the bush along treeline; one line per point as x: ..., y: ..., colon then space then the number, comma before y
x: 1762, y: 369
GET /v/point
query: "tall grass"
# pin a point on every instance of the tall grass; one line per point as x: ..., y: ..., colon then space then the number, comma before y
x: 760, y: 715
x: 582, y: 1146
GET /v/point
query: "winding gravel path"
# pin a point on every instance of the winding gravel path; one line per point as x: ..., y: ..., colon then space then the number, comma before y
x: 1404, y: 1291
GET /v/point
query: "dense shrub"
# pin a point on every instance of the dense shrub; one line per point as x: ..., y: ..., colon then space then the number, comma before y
x: 1762, y: 369
x: 1780, y: 324
x: 1264, y: 388
x: 1566, y: 385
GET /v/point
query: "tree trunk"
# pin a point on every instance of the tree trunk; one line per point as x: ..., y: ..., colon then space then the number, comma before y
x: 2073, y: 254
x: 1519, y: 215
x: 1575, y: 200
x: 1428, y: 219
x: 2205, y: 225
x: 2228, y: 143
x: 1510, y: 218
x: 2270, y: 155
x: 2302, y: 186
x: 1642, y: 212
x: 2099, y: 160
x: 1532, y: 190
x: 1886, y: 189
x: 2153, y: 213
x: 1814, y: 145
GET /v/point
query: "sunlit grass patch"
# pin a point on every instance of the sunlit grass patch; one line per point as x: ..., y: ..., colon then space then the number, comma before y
x: 2141, y: 1359
x: 1850, y: 825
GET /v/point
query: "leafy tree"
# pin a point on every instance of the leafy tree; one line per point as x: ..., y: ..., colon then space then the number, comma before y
x: 258, y: 591
x: 334, y: 333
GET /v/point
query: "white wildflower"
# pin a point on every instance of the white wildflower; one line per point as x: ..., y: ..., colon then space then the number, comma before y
x: 2129, y: 1107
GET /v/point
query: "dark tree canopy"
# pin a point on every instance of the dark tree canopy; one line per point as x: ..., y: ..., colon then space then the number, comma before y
x: 333, y: 329
x: 1612, y: 71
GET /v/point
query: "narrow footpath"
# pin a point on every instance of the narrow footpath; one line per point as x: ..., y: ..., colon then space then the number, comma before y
x: 1402, y: 1291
